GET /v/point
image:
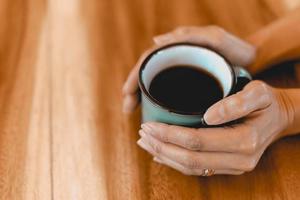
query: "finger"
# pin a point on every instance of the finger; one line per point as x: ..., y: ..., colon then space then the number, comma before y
x: 131, y: 84
x: 170, y: 163
x: 201, y: 37
x: 163, y: 38
x: 234, y: 49
x: 255, y: 96
x: 238, y: 139
x: 186, y: 171
x: 169, y: 37
x: 130, y: 102
x: 130, y: 88
x: 198, y: 160
x: 179, y: 167
x: 164, y: 160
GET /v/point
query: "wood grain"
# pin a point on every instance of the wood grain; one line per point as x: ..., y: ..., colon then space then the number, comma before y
x: 62, y: 133
x: 24, y: 133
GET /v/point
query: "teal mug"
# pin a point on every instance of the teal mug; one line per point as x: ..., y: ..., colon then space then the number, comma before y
x: 232, y: 79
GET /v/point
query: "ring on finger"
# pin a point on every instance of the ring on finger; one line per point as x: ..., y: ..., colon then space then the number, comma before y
x: 208, y: 172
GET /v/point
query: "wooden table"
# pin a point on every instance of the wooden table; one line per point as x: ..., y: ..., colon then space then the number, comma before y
x: 62, y: 133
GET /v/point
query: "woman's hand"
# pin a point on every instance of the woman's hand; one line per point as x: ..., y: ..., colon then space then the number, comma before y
x: 236, y: 50
x: 266, y: 112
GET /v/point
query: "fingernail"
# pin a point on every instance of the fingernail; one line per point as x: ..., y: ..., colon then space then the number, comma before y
x: 142, y: 144
x: 148, y: 128
x: 156, y: 159
x: 212, y: 117
x: 162, y: 38
x: 142, y: 133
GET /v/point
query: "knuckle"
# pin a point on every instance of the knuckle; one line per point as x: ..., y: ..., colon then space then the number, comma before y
x: 234, y: 106
x: 218, y: 35
x: 164, y: 136
x: 260, y: 86
x: 182, y: 30
x: 237, y: 103
x: 192, y: 143
x: 172, y: 132
x: 224, y: 110
x: 216, y: 29
x: 266, y: 93
x: 249, y: 165
x: 191, y: 162
x: 260, y: 91
x: 251, y: 147
x: 157, y: 148
x: 251, y: 143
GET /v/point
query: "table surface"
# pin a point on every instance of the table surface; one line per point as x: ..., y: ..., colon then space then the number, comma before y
x: 62, y: 133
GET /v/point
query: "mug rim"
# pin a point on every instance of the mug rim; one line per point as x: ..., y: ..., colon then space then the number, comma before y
x: 156, y: 51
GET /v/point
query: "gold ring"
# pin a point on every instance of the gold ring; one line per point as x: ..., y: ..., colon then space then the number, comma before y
x: 208, y: 172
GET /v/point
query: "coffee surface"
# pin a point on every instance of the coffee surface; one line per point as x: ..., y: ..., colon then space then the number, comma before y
x: 186, y: 89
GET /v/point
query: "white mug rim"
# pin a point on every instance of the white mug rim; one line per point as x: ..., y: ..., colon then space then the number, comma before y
x: 156, y: 51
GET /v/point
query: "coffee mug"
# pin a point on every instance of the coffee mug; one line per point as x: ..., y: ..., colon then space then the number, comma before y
x: 231, y: 78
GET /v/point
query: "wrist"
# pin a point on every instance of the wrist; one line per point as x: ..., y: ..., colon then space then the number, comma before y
x: 288, y: 99
x: 272, y: 44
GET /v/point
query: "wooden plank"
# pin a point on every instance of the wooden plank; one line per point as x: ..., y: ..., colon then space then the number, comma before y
x: 77, y: 154
x: 24, y: 119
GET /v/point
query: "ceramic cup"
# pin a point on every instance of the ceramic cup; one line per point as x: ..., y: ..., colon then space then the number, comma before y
x: 232, y: 79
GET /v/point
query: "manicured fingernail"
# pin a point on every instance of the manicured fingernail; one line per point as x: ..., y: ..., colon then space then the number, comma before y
x: 156, y: 159
x: 142, y: 133
x: 162, y: 38
x: 148, y: 128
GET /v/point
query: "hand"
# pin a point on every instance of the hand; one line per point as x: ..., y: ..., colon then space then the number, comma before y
x: 236, y: 50
x: 266, y: 112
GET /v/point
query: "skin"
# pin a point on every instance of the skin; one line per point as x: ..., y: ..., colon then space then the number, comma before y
x: 268, y: 114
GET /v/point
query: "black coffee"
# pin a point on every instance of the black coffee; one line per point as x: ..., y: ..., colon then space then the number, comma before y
x: 186, y: 89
